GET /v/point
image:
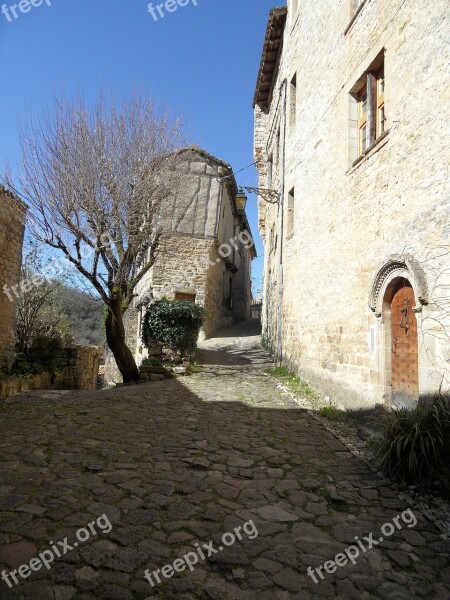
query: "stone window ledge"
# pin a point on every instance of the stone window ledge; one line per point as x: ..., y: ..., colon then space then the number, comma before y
x: 355, y: 16
x: 372, y: 149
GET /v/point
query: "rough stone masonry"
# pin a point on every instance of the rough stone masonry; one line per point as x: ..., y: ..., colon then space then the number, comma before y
x: 11, y: 239
x: 356, y: 224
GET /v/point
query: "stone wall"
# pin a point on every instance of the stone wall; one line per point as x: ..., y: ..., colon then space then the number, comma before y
x: 80, y: 367
x: 79, y: 371
x: 11, y: 239
x: 350, y: 218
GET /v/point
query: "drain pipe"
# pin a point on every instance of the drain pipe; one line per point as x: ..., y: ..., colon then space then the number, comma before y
x: 279, y: 356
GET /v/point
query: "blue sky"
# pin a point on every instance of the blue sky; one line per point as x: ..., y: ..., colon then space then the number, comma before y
x: 202, y: 60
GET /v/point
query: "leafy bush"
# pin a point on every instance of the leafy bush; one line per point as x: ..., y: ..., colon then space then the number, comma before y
x: 152, y: 362
x: 173, y: 323
x: 46, y: 352
x: 415, y: 443
x: 43, y: 356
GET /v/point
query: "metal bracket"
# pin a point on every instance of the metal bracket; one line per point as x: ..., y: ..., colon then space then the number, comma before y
x: 270, y: 196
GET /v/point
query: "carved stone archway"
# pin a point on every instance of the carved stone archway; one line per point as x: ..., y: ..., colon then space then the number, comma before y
x: 398, y: 266
x: 398, y: 270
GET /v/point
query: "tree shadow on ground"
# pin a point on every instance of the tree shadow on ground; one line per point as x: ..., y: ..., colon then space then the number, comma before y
x: 177, y: 465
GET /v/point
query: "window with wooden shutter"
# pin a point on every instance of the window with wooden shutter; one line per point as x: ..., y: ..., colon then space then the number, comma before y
x: 362, y: 120
x: 381, y: 114
x: 371, y: 107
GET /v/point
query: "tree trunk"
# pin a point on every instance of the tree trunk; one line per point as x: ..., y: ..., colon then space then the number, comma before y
x: 115, y: 336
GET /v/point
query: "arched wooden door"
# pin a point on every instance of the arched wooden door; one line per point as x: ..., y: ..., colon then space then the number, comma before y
x: 405, y: 356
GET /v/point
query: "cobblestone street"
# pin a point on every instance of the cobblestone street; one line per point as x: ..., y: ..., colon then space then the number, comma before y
x: 180, y: 462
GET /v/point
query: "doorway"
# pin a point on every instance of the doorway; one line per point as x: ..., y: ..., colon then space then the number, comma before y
x: 405, y: 355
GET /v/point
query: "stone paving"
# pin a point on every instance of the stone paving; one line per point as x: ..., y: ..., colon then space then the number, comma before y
x: 182, y: 462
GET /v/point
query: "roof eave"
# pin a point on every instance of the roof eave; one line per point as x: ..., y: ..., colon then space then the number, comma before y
x: 273, y: 43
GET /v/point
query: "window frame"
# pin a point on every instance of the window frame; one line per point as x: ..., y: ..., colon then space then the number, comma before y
x: 381, y: 110
x: 362, y: 120
x: 371, y: 121
x: 293, y: 101
x: 290, y: 214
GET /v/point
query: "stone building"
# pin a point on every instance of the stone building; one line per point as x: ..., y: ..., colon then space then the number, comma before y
x: 205, y: 252
x: 351, y: 128
x: 12, y: 226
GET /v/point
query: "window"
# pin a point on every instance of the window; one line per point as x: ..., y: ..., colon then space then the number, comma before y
x: 277, y: 147
x: 381, y: 115
x: 355, y: 5
x: 293, y: 101
x: 368, y: 109
x: 269, y: 172
x: 290, y: 213
x: 186, y: 297
x: 362, y: 119
x: 272, y: 239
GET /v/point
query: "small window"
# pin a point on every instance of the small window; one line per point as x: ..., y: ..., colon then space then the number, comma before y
x: 371, y: 113
x: 381, y: 115
x: 277, y: 147
x: 362, y: 119
x: 355, y: 5
x: 290, y: 213
x: 186, y: 297
x: 293, y: 101
x: 269, y: 172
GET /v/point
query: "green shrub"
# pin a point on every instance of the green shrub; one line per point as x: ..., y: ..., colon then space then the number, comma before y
x: 152, y: 362
x: 173, y: 323
x: 45, y: 353
x: 332, y: 413
x: 415, y: 443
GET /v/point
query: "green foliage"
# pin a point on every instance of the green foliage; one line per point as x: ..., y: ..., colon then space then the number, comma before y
x: 153, y: 362
x: 43, y: 356
x: 332, y: 413
x: 175, y: 324
x: 295, y: 384
x: 415, y: 443
x: 46, y: 351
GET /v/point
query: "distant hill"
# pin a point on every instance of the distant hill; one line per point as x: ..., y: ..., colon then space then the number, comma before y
x: 85, y: 316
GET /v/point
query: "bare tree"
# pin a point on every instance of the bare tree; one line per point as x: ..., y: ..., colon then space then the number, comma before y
x: 97, y: 181
x: 436, y: 323
x: 39, y: 309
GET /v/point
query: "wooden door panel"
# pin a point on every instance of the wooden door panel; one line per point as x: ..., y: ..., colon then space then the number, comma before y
x: 405, y: 358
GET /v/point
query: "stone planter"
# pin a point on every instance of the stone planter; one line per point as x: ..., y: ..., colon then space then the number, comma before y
x: 154, y: 370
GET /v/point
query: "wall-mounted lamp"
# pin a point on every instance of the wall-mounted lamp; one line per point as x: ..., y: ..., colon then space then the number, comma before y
x: 241, y: 200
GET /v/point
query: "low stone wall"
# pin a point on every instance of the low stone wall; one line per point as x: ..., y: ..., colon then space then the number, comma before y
x: 15, y: 385
x: 79, y: 371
